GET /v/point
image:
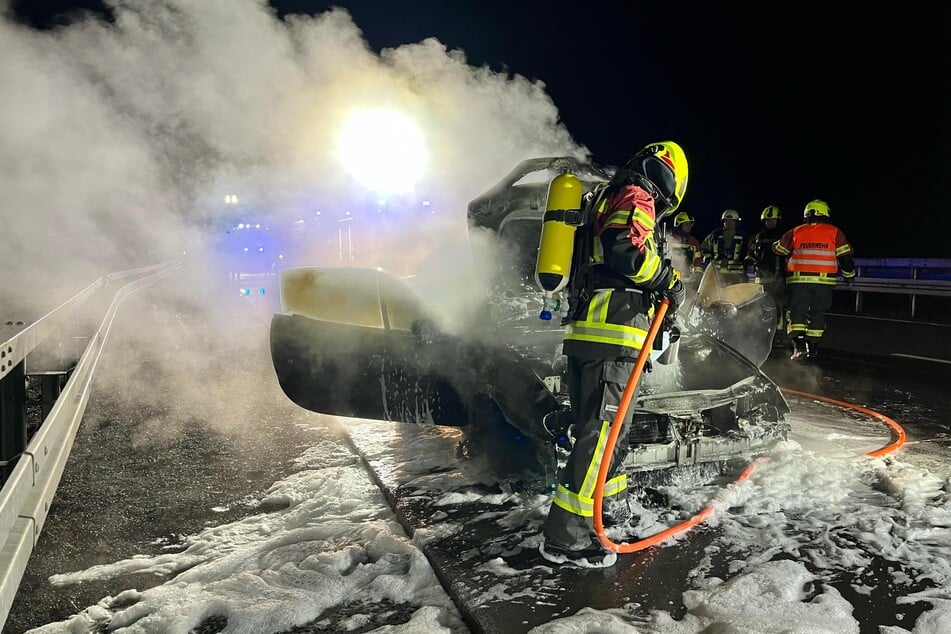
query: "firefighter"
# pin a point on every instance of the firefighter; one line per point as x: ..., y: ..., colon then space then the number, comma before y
x: 765, y: 267
x: 816, y: 252
x: 725, y: 247
x: 616, y: 278
x: 685, y: 245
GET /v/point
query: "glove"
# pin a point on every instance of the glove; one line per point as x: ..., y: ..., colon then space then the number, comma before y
x: 750, y: 272
x: 676, y: 295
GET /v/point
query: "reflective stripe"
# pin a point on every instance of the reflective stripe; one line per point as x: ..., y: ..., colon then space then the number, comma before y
x: 586, y: 490
x: 615, y: 486
x: 648, y: 268
x: 808, y: 261
x: 579, y: 505
x: 814, y: 333
x: 811, y: 278
x: 644, y: 219
x: 598, y: 308
x: 617, y: 218
x: 596, y: 328
x: 797, y: 327
x: 582, y: 503
x: 845, y: 248
x: 613, y: 334
x: 573, y: 503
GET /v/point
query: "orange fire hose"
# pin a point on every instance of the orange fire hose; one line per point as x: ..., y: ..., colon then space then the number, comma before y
x: 626, y: 397
x: 878, y: 453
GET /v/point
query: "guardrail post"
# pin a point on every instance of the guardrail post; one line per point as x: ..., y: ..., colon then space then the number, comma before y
x: 50, y: 387
x: 12, y: 419
x: 859, y: 272
x: 914, y: 276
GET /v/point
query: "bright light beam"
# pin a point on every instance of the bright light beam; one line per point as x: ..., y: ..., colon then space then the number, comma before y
x: 383, y: 150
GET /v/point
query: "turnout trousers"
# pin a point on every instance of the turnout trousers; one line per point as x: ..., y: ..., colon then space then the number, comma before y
x: 595, y: 388
x: 776, y: 288
x: 808, y: 304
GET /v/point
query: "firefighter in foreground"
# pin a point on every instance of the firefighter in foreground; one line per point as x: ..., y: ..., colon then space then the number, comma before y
x: 616, y: 277
x: 816, y: 252
x: 765, y: 267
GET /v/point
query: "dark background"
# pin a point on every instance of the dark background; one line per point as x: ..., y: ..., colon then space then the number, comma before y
x: 775, y: 103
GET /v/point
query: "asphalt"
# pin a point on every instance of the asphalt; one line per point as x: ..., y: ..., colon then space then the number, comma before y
x: 908, y: 346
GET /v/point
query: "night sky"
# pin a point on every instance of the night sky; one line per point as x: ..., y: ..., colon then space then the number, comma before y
x: 774, y: 105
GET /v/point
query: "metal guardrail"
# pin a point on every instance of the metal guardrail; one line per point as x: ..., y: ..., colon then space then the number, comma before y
x: 904, y: 276
x: 27, y: 494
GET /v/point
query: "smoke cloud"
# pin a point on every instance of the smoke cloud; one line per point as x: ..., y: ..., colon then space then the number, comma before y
x: 121, y: 140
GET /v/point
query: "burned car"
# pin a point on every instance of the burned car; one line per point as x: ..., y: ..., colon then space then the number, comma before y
x: 360, y: 343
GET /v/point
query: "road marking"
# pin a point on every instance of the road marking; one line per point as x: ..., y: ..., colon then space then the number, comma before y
x: 914, y: 356
x: 900, y: 321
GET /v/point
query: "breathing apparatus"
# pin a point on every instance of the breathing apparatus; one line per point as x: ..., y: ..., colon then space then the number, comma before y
x: 659, y: 168
x: 563, y: 215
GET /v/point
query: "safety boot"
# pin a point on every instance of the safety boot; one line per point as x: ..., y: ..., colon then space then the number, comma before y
x: 799, y: 349
x: 592, y: 556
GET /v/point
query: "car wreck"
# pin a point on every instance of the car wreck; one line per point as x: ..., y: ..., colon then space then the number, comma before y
x: 357, y: 342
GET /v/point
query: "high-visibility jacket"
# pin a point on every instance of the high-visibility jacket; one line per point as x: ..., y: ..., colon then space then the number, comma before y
x: 688, y: 245
x: 816, y: 251
x: 616, y: 301
x: 726, y: 254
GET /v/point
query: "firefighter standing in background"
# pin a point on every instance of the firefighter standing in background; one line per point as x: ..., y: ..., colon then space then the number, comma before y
x: 616, y: 277
x: 686, y: 245
x: 816, y: 252
x: 726, y: 247
x: 768, y: 268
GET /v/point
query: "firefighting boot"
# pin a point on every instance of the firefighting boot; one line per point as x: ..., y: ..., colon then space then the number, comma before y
x: 798, y: 348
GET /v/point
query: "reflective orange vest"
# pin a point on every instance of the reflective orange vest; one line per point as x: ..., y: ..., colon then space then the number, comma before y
x: 814, y: 249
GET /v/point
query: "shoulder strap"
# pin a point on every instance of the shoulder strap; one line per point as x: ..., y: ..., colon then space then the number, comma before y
x: 581, y: 273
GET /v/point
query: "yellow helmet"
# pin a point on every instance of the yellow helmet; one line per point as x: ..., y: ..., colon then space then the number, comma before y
x: 816, y: 208
x: 665, y: 166
x: 731, y: 214
x: 772, y: 211
x: 681, y: 218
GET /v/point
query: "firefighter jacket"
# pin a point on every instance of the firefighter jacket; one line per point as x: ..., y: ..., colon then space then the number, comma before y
x: 726, y: 253
x: 769, y: 265
x: 816, y: 251
x: 688, y: 247
x: 615, y: 303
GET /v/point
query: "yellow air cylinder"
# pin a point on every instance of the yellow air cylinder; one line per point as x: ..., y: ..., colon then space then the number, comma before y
x: 556, y: 244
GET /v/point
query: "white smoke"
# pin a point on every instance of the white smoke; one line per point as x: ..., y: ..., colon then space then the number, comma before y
x: 120, y: 140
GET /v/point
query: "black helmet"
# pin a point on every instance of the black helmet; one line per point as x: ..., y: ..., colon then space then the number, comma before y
x: 664, y: 164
